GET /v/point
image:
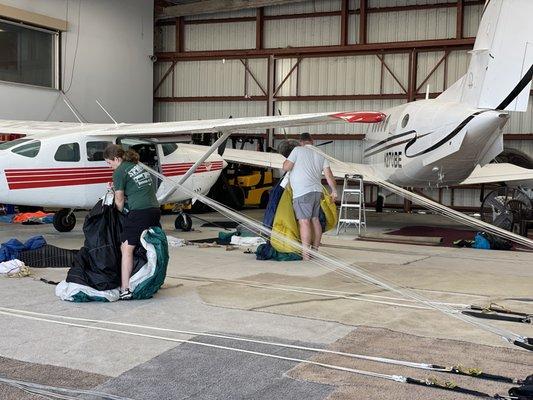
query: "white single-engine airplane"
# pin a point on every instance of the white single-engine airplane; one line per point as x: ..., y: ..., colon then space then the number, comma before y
x: 438, y: 142
x: 61, y: 165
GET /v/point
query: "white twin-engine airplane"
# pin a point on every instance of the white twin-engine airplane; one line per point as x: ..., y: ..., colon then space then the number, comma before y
x: 438, y: 142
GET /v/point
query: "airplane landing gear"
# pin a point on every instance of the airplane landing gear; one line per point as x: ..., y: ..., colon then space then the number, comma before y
x: 64, y: 220
x: 183, y: 221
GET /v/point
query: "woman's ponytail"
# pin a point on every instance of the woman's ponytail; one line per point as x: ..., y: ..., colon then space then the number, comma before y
x: 131, y: 156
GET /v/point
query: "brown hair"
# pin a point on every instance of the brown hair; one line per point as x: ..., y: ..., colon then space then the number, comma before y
x: 306, y: 137
x: 113, y: 151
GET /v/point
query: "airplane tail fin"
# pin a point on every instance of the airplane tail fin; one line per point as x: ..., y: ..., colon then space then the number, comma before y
x: 501, y: 68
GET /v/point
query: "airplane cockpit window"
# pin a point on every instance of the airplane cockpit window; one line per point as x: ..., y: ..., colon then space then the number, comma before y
x: 28, y: 150
x: 8, y: 145
x: 68, y: 152
x: 169, y: 148
x: 95, y: 150
x: 405, y: 120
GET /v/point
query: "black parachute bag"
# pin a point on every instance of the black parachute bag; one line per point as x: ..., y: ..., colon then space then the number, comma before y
x: 497, y: 243
x: 97, y: 264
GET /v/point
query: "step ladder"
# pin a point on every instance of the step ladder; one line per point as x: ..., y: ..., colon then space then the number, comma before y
x: 352, y: 210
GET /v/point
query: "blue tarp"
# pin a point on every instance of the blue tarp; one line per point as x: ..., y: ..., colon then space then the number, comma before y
x: 12, y: 248
x: 273, y: 200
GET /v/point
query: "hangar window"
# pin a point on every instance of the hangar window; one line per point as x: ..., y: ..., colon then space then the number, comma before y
x: 169, y: 148
x: 95, y: 150
x: 29, y: 55
x: 28, y: 150
x: 68, y: 152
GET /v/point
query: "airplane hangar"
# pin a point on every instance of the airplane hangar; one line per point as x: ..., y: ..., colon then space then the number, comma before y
x: 424, y: 292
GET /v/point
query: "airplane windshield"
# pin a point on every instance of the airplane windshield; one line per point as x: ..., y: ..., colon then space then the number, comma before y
x: 28, y: 150
x: 8, y: 145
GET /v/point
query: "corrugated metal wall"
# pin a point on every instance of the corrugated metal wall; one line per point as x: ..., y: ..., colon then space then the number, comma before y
x: 345, y: 75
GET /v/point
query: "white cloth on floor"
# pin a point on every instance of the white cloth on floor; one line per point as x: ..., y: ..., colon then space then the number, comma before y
x: 11, y: 266
x: 175, y: 242
x: 247, y: 241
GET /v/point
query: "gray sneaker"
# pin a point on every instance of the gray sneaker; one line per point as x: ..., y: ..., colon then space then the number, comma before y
x: 126, y: 294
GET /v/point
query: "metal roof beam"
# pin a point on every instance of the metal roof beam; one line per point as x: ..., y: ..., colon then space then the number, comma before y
x: 215, y: 6
x: 322, y: 51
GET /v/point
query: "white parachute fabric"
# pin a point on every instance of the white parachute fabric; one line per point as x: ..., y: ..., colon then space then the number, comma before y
x: 344, y: 269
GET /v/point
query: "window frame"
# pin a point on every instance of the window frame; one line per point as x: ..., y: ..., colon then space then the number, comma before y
x: 95, y: 141
x: 76, y: 144
x: 56, y: 35
x: 32, y: 142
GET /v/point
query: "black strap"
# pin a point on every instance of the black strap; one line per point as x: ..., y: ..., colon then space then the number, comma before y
x: 447, y: 386
x: 497, y: 316
x: 49, y: 282
x: 526, y: 344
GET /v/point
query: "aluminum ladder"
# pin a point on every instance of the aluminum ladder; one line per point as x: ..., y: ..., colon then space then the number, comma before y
x: 352, y: 210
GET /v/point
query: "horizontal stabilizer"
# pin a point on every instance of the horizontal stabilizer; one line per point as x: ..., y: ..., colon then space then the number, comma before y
x: 502, y: 172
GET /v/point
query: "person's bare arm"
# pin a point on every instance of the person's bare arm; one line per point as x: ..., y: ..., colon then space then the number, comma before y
x: 287, y: 165
x: 331, y: 182
x: 119, y: 200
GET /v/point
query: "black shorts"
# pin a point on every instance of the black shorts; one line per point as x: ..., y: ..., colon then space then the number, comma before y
x: 136, y: 222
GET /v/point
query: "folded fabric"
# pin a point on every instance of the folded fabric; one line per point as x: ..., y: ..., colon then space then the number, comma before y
x: 11, y: 267
x: 267, y: 252
x: 38, y: 216
x: 247, y: 241
x: 175, y: 242
x: 8, y: 218
x: 12, y: 248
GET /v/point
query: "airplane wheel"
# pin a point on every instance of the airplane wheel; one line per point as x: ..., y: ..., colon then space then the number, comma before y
x: 64, y: 220
x: 183, y: 222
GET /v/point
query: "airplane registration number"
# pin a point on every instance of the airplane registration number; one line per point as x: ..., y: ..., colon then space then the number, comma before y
x: 393, y: 159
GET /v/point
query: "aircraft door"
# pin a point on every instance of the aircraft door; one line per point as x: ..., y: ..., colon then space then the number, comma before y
x: 147, y: 151
x: 175, y: 161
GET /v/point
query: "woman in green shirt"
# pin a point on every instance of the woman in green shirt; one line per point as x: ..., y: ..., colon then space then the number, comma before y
x: 134, y: 185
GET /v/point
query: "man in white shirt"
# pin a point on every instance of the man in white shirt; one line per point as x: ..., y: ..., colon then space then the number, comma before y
x: 306, y: 166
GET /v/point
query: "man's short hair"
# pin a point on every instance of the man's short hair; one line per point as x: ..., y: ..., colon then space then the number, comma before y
x: 306, y: 137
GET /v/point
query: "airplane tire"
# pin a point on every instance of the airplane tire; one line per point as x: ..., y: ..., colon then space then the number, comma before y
x: 183, y: 222
x: 64, y: 220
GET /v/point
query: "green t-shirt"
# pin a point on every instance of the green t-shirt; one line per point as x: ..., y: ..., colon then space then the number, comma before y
x: 137, y: 185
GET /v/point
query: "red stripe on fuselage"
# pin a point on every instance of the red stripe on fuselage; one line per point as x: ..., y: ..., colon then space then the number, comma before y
x: 55, y: 177
x: 54, y: 183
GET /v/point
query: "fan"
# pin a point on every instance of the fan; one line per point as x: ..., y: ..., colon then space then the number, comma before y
x: 505, y: 206
x: 286, y: 145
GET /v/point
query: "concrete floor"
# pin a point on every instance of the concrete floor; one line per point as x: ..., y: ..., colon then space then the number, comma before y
x: 216, y: 290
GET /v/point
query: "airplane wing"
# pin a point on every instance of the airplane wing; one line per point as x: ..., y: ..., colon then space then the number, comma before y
x: 275, y: 160
x: 502, y: 172
x: 162, y: 129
